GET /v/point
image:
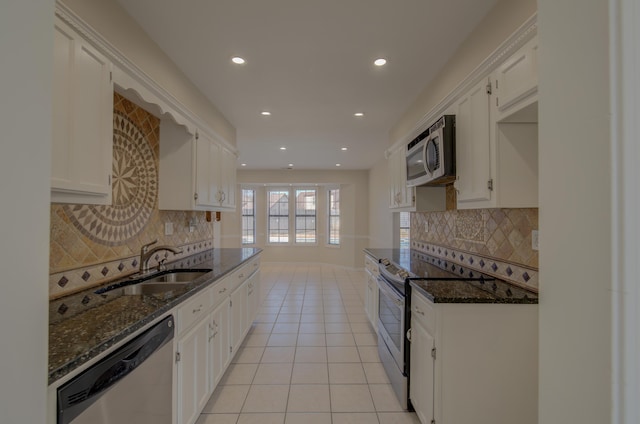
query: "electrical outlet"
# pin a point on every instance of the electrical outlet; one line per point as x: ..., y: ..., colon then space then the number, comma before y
x: 534, y: 239
x: 426, y: 226
x: 168, y: 228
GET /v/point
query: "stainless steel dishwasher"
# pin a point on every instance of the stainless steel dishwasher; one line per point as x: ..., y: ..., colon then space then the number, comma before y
x: 131, y: 385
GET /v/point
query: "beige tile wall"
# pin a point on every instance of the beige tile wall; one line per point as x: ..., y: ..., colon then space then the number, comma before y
x: 76, y: 245
x: 502, y: 236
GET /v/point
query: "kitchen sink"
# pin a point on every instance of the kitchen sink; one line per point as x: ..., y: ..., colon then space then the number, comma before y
x: 160, y: 282
x: 179, y: 276
x: 153, y: 288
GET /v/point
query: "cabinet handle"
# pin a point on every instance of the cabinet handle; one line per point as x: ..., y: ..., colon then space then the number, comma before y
x: 241, y: 276
x: 222, y: 291
x: 418, y: 311
x: 198, y: 309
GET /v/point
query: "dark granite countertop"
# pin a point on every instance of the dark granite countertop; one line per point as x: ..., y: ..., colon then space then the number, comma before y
x: 442, y: 287
x: 96, y: 322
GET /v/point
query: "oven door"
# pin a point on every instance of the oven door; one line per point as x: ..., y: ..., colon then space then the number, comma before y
x: 391, y: 321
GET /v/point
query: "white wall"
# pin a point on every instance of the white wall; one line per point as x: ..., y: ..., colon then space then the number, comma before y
x: 26, y: 34
x: 575, y: 213
x: 380, y: 217
x: 354, y: 217
x: 113, y: 23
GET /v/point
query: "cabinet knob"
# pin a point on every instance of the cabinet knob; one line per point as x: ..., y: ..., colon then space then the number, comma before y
x: 198, y: 309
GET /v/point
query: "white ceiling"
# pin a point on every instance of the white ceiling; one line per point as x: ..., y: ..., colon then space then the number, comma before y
x: 310, y: 63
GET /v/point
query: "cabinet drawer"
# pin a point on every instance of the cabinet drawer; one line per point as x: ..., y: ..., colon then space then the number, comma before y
x: 422, y: 310
x: 221, y: 291
x: 240, y: 275
x: 194, y: 310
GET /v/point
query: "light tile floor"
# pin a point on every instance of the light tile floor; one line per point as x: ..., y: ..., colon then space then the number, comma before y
x: 310, y: 356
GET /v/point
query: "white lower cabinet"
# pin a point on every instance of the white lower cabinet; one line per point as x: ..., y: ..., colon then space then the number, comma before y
x: 219, y: 342
x: 371, y: 291
x: 422, y: 368
x: 473, y: 363
x: 192, y: 370
x: 211, y: 327
x: 238, y: 307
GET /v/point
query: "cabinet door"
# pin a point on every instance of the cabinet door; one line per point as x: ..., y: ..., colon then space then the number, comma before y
x: 238, y: 316
x: 422, y: 372
x: 400, y: 196
x: 193, y: 373
x: 219, y: 337
x: 253, y: 298
x: 517, y: 79
x: 206, y: 171
x: 227, y: 191
x: 82, y: 139
x: 473, y: 154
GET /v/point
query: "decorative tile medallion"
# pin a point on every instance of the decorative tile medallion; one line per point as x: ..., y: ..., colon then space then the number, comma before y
x: 135, y: 189
x: 469, y: 225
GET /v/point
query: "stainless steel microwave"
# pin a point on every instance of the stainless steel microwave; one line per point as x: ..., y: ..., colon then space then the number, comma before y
x: 431, y: 157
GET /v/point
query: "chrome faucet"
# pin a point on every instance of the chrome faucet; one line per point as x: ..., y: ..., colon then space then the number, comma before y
x: 145, y: 254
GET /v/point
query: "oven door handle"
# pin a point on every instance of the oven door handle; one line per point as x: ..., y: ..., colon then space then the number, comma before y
x: 397, y: 299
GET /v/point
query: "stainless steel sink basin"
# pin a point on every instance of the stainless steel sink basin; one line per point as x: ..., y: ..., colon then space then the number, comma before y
x: 176, y: 277
x: 153, y: 288
x: 167, y: 281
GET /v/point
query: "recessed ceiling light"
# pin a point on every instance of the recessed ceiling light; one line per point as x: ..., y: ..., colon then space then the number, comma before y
x: 343, y: 149
x: 337, y: 164
x: 358, y: 114
x: 283, y: 148
x: 380, y: 62
x: 265, y: 113
x: 290, y: 165
x: 238, y: 60
x: 243, y: 164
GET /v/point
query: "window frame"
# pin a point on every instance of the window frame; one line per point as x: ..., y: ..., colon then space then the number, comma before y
x: 296, y: 216
x: 292, y: 222
x: 408, y: 228
x: 242, y: 216
x: 330, y: 216
x: 268, y: 192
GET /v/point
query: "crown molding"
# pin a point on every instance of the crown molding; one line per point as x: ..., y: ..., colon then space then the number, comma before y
x: 131, y: 81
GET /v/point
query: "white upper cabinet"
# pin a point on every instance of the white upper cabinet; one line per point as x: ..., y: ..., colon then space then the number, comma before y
x: 516, y: 82
x: 400, y: 196
x: 497, y: 137
x: 196, y: 172
x: 473, y: 163
x: 82, y: 139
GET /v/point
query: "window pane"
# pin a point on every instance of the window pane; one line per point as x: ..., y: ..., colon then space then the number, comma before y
x: 334, y: 216
x: 305, y: 216
x: 248, y: 217
x: 405, y: 228
x: 278, y: 216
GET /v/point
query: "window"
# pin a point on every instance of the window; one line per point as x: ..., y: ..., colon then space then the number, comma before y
x: 333, y: 197
x: 248, y: 216
x: 305, y: 216
x: 405, y: 228
x: 278, y: 203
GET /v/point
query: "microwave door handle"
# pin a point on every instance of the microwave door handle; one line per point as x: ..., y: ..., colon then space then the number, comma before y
x: 425, y: 160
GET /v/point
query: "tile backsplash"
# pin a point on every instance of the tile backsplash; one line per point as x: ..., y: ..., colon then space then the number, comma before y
x: 93, y: 244
x: 495, y: 241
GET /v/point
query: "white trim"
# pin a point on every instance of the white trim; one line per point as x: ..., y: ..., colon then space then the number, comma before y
x: 131, y: 79
x: 522, y: 35
x: 625, y: 109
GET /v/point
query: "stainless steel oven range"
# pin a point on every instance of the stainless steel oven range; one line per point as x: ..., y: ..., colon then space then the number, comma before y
x: 393, y: 320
